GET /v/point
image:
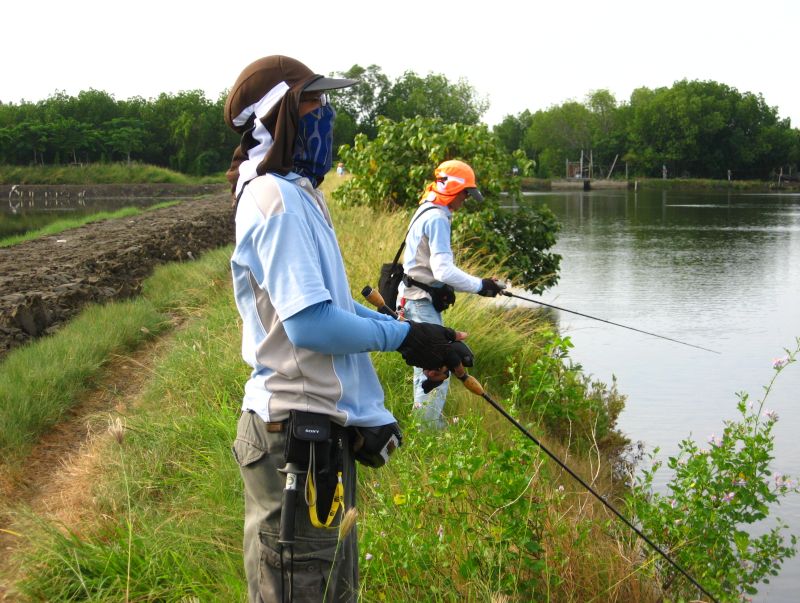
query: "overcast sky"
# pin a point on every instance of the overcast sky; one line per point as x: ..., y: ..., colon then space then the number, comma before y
x: 519, y: 55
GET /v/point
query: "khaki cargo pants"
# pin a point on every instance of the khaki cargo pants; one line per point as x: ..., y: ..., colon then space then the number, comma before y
x: 324, y: 569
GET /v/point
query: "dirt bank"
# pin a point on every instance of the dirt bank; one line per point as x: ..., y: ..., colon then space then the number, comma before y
x: 45, y: 282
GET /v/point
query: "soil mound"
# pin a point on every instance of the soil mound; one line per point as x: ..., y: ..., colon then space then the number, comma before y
x: 45, y: 282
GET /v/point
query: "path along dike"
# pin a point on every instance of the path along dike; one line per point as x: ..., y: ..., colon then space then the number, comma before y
x: 45, y: 282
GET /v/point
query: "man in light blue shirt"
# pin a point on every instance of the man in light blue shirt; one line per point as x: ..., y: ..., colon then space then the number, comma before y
x: 305, y: 338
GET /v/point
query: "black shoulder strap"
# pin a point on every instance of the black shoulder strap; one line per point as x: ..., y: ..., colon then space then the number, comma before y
x: 403, y: 244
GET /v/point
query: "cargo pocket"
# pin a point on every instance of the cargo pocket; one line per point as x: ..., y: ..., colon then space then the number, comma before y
x: 312, y: 564
x: 251, y: 443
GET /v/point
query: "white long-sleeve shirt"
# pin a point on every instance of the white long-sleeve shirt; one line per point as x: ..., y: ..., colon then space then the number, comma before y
x: 428, y: 256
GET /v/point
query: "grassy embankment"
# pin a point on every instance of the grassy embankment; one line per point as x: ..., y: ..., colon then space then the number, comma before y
x: 473, y: 513
x: 99, y: 173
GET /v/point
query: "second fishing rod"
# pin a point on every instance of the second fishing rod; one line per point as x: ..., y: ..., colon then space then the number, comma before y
x: 474, y: 386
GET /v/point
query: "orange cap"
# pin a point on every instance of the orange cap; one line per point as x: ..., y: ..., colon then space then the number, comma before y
x: 454, y: 176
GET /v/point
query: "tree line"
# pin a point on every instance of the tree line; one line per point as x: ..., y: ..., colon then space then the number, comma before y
x: 698, y: 129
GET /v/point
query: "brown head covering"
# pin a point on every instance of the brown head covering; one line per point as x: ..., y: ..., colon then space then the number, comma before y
x: 263, y: 106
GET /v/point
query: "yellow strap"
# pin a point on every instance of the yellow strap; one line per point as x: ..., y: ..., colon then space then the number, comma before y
x: 311, y: 497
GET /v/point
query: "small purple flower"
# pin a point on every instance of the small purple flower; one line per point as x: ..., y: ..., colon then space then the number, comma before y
x: 728, y: 497
x: 779, y: 363
x: 368, y: 556
x: 673, y: 503
x: 771, y: 415
x: 714, y: 440
x: 440, y: 533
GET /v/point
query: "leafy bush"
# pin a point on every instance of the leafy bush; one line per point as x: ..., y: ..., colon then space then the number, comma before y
x: 717, y: 491
x: 571, y: 406
x: 394, y: 168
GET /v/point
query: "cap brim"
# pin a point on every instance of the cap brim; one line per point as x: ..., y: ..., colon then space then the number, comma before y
x: 474, y: 193
x: 329, y: 83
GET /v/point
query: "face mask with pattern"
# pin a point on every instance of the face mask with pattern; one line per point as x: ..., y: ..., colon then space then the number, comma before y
x: 313, y: 151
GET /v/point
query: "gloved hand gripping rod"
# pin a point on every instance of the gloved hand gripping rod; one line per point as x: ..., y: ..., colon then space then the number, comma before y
x: 476, y: 388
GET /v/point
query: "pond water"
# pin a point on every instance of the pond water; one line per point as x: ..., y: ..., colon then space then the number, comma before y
x: 23, y: 214
x: 717, y: 270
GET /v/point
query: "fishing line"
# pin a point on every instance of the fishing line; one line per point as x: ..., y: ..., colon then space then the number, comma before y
x: 616, y: 324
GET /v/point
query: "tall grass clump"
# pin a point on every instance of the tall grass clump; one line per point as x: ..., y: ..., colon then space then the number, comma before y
x: 42, y: 380
x: 169, y: 503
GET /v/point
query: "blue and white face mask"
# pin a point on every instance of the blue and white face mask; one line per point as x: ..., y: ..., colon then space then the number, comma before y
x: 313, y: 151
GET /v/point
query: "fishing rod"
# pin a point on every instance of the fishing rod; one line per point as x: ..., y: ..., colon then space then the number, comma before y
x: 474, y: 386
x: 616, y: 324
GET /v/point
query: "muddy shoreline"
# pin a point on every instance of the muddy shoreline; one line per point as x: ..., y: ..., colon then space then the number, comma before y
x: 45, y: 282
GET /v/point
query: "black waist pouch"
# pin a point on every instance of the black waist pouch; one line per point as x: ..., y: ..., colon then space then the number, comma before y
x: 306, y: 429
x: 442, y: 297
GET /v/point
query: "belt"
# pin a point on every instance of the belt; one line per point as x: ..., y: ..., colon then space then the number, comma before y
x: 272, y: 426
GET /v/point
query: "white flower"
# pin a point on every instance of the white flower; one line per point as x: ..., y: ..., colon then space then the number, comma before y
x: 368, y: 556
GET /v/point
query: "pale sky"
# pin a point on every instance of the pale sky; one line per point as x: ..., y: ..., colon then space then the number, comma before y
x: 519, y: 55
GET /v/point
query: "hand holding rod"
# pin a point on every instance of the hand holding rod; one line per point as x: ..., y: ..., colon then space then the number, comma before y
x: 616, y: 324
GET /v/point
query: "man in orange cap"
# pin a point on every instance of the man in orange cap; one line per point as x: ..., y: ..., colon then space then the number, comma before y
x: 431, y: 278
x: 312, y: 405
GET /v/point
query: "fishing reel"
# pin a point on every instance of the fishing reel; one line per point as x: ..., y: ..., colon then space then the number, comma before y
x: 460, y: 355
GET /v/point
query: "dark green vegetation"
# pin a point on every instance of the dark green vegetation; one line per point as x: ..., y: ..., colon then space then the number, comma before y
x: 697, y: 129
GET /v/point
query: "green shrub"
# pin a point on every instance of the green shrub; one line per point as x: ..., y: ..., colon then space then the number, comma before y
x: 716, y: 493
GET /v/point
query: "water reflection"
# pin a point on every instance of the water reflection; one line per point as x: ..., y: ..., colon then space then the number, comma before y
x: 721, y: 270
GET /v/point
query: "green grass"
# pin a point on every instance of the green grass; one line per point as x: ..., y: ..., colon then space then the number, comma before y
x: 99, y: 173
x: 472, y: 513
x: 65, y: 224
x: 41, y: 381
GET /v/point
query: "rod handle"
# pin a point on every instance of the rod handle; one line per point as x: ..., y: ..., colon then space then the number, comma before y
x: 374, y: 297
x: 288, y: 508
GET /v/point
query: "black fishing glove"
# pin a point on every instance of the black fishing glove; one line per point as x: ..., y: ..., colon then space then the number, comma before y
x: 490, y: 287
x: 464, y: 355
x: 372, y: 446
x: 429, y: 346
